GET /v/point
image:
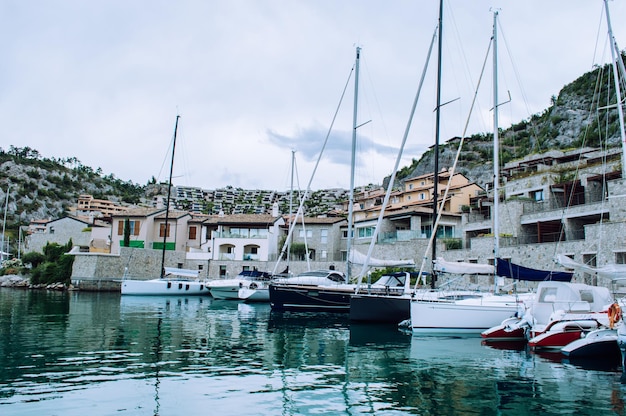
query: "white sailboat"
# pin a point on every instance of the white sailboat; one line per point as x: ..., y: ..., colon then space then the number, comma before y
x: 473, y: 314
x: 172, y: 281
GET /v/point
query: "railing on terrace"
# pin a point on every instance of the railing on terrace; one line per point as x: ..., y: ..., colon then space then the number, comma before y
x: 408, y: 235
x: 478, y: 217
x: 399, y: 235
x: 582, y: 198
x: 231, y: 235
x: 574, y: 235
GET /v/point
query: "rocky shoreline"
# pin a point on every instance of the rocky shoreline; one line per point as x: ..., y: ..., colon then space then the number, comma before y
x: 22, y: 282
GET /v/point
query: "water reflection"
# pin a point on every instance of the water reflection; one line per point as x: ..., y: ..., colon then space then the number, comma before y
x: 63, y: 353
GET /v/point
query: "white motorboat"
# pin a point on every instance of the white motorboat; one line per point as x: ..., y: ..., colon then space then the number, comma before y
x: 255, y: 291
x: 174, y: 282
x: 229, y: 288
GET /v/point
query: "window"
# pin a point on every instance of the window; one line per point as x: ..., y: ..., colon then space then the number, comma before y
x: 192, y: 232
x: 324, y: 236
x: 537, y: 195
x: 365, y: 232
x: 162, y: 230
x: 134, y: 227
x: 324, y: 254
x: 422, y: 196
x: 222, y: 271
x: 309, y: 233
x: 620, y: 257
x: 443, y: 231
x: 344, y: 234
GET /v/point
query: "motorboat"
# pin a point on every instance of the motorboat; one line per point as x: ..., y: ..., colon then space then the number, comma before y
x: 511, y: 329
x: 174, y: 282
x: 555, y: 302
x: 229, y: 288
x: 562, y: 333
x: 254, y: 291
x: 599, y: 343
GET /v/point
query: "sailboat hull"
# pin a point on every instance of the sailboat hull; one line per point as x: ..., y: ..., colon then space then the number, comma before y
x: 310, y: 298
x: 380, y: 309
x: 438, y: 317
x: 159, y: 287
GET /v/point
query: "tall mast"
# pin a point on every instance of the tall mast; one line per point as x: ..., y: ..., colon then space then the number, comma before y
x: 353, y: 160
x: 4, y: 221
x: 620, y: 109
x: 437, y: 130
x: 167, y: 204
x: 496, y: 148
x: 293, y: 160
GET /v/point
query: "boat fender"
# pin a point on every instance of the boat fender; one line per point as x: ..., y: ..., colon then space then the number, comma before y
x: 615, y: 314
x: 253, y: 285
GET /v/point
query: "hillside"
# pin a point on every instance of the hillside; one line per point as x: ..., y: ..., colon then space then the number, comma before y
x: 570, y: 122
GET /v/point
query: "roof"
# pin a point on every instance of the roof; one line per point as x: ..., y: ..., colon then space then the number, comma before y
x: 172, y: 215
x: 140, y: 212
x: 242, y: 219
x: 317, y: 220
x: 68, y: 217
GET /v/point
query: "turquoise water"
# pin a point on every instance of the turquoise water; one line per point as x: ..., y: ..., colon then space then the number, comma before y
x: 103, y: 354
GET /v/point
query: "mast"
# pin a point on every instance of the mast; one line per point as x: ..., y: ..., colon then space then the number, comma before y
x: 496, y: 155
x: 620, y: 109
x: 167, y: 204
x: 437, y: 130
x: 353, y: 159
x: 293, y: 160
x: 4, y: 222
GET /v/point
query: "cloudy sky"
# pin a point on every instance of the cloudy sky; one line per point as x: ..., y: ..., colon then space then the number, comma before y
x: 254, y: 80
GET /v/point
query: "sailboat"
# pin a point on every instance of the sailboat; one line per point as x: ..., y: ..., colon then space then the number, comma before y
x: 367, y: 305
x: 470, y: 314
x: 172, y: 281
x: 334, y: 295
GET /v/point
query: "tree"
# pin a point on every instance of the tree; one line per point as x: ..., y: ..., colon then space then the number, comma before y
x: 126, y: 232
x: 33, y: 258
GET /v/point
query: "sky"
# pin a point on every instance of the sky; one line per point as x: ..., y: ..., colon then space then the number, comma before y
x: 257, y: 81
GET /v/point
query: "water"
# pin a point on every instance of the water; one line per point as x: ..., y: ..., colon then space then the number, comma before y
x: 103, y: 354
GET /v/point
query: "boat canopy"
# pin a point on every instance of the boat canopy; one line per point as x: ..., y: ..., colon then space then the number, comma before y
x: 359, y: 258
x: 461, y: 267
x: 610, y: 271
x: 507, y: 269
x: 173, y: 271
